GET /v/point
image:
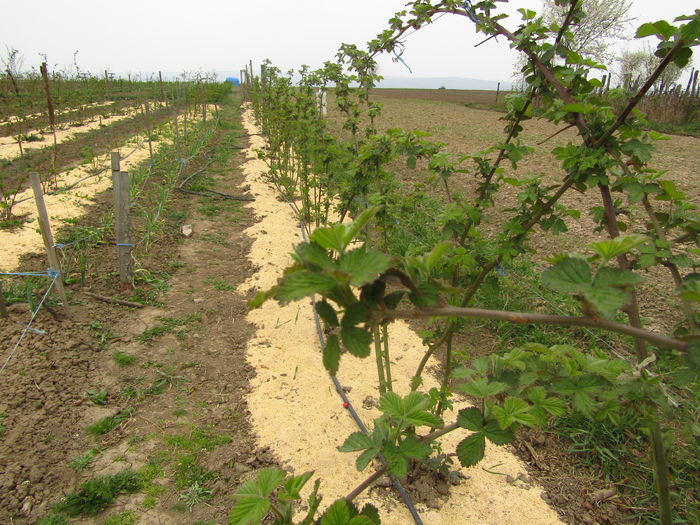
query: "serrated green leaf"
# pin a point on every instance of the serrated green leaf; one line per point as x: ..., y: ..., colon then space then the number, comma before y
x: 398, y: 465
x: 356, y: 441
x: 336, y: 514
x: 353, y: 229
x: 662, y: 29
x: 690, y: 290
x: 569, y: 275
x: 331, y: 355
x: 391, y: 404
x: 513, y: 411
x: 330, y: 237
x: 362, y: 520
x: 471, y: 419
x: 620, y: 245
x: 471, y: 450
x: 355, y: 314
x: 608, y: 276
x: 583, y: 402
x: 606, y: 299
x: 371, y: 512
x: 327, y: 313
x: 249, y: 508
x: 301, y: 284
x: 295, y: 483
x: 482, y: 388
x: 414, y: 449
x: 269, y: 479
x: 496, y: 435
x: 356, y: 340
x: 313, y: 254
x: 363, y: 459
x: 423, y: 419
x: 363, y: 265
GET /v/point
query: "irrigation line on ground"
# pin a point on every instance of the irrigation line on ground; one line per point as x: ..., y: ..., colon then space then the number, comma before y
x: 27, y: 327
x: 339, y: 387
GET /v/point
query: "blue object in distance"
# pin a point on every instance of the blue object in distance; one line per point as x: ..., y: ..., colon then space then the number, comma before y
x: 233, y: 81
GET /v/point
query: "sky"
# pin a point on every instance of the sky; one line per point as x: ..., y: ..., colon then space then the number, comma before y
x: 132, y: 36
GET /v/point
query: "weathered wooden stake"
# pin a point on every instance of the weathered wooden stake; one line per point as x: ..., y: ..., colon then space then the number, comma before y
x: 149, y: 129
x: 47, y: 236
x: 122, y: 221
x: 49, y: 103
x: 3, y: 308
x: 498, y: 91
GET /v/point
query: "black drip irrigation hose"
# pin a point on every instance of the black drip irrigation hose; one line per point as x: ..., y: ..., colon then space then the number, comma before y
x: 353, y: 413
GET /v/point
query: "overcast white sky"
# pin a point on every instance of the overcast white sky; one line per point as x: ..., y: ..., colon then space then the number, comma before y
x: 176, y: 35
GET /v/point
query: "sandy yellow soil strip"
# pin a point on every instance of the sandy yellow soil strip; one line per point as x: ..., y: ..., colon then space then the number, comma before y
x: 296, y: 411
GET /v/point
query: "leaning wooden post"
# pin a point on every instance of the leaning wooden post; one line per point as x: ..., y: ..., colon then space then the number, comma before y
x: 122, y: 220
x: 498, y: 91
x: 47, y: 236
x: 3, y: 308
x: 149, y: 129
x: 49, y: 104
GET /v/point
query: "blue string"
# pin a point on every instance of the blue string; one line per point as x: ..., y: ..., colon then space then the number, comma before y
x: 124, y: 244
x: 48, y: 273
x: 500, y: 270
x: 470, y: 12
x: 62, y: 245
x: 399, y: 59
x: 35, y: 330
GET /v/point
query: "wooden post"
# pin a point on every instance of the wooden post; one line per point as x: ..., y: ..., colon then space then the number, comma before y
x: 149, y: 129
x: 252, y: 76
x: 498, y: 91
x: 49, y: 103
x: 47, y: 236
x: 160, y: 82
x: 122, y: 220
x: 3, y: 308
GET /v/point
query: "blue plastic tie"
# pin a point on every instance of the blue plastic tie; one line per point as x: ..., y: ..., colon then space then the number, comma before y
x: 399, y: 59
x: 470, y: 12
x: 28, y: 274
x: 35, y: 330
x: 124, y: 244
x: 500, y: 270
x: 54, y: 274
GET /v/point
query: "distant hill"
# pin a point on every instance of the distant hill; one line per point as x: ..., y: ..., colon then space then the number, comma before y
x: 438, y: 82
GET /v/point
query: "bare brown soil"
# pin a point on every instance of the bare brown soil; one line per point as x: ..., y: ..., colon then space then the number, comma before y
x: 188, y: 381
x: 474, y: 97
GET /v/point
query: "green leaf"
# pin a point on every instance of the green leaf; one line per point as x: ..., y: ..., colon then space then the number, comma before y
x: 662, y: 29
x: 606, y: 300
x: 411, y: 409
x: 363, y: 459
x: 364, y: 266
x: 336, y: 514
x: 356, y: 441
x: 513, y: 411
x: 569, y: 275
x: 371, y: 512
x: 398, y: 465
x: 269, y: 479
x: 356, y: 340
x: 392, y: 300
x: 331, y: 355
x: 414, y: 449
x: 553, y: 405
x: 620, y: 245
x: 301, y: 284
x: 690, y: 290
x: 471, y: 419
x: 471, y: 450
x: 391, y: 404
x: 313, y: 254
x: 497, y: 435
x: 608, y: 276
x: 249, y: 508
x: 330, y: 237
x: 327, y: 313
x: 355, y: 314
x: 437, y: 253
x: 482, y: 388
x: 353, y: 229
x: 295, y: 483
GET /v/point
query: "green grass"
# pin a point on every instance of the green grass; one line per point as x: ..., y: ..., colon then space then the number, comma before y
x: 128, y: 517
x: 84, y: 461
x: 220, y: 284
x: 123, y: 359
x: 107, y: 424
x: 98, y: 493
x: 168, y: 325
x: 99, y: 397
